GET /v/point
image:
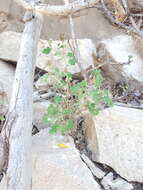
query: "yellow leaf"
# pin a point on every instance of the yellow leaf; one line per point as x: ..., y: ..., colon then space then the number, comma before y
x: 120, y: 14
x: 62, y: 146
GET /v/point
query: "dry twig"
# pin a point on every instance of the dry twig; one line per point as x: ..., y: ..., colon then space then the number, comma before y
x: 132, y: 27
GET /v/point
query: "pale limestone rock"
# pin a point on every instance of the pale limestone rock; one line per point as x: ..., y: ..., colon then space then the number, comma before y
x: 54, y: 26
x: 6, y: 80
x: 10, y: 46
x: 136, y: 4
x: 9, y: 51
x: 108, y: 182
x: 5, y: 6
x: 115, y: 138
x: 3, y: 21
x: 122, y: 58
x: 56, y: 168
x: 7, y: 72
x: 96, y: 171
x: 86, y: 49
x: 41, y: 84
x: 39, y: 109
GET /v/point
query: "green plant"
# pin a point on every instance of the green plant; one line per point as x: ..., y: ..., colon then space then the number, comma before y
x: 2, y: 118
x: 72, y: 97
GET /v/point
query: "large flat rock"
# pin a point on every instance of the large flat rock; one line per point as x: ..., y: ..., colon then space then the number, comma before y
x: 122, y: 58
x: 10, y: 46
x: 57, y: 168
x: 115, y: 138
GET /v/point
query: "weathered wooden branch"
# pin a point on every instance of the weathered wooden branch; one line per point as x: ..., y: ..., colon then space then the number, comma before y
x: 18, y: 126
x: 58, y: 10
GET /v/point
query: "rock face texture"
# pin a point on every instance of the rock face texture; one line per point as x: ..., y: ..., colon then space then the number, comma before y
x: 116, y: 138
x: 136, y: 4
x: 5, y: 6
x: 9, y: 51
x: 107, y: 179
x: 6, y: 77
x: 10, y: 45
x: 57, y: 168
x: 39, y: 109
x: 88, y: 24
x: 122, y: 59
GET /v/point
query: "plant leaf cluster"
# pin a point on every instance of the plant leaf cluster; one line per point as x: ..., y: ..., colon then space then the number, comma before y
x: 73, y: 97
